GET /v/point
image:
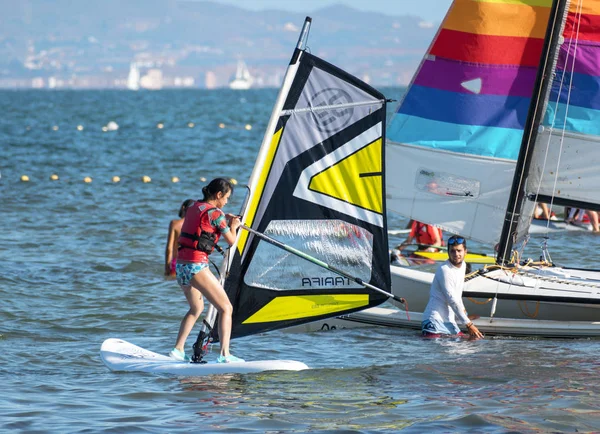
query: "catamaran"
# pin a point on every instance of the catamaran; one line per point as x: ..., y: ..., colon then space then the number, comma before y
x: 515, y: 121
x: 314, y: 243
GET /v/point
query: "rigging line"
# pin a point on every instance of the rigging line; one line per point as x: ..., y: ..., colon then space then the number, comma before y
x: 526, y: 311
x: 331, y: 106
x: 320, y: 263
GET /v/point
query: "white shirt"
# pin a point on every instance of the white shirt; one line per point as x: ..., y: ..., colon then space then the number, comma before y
x: 445, y: 295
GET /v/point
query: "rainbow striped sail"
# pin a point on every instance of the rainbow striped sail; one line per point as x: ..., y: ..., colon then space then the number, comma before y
x: 453, y: 142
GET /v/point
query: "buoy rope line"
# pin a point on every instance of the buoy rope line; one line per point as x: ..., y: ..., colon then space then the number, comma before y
x: 113, y: 126
x: 116, y: 179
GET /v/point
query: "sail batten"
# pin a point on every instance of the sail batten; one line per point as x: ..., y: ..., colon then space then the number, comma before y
x: 330, y: 107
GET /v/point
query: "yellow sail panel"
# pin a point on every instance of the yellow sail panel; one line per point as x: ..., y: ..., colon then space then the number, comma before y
x: 356, y: 179
x: 253, y: 205
x: 305, y: 306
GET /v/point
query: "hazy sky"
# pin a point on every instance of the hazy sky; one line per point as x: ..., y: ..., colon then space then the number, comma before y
x: 431, y: 10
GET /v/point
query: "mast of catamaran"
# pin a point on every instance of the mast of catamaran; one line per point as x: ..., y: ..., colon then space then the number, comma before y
x: 535, y: 116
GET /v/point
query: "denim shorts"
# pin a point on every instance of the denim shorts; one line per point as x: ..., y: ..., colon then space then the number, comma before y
x: 437, y: 327
x: 185, y: 272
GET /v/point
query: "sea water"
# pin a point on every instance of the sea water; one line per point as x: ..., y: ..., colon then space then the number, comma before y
x: 83, y: 261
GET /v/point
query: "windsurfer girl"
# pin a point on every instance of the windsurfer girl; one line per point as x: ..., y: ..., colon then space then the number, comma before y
x: 202, y: 227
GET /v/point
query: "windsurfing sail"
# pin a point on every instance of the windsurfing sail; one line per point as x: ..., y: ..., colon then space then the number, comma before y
x: 317, y: 186
x: 455, y: 137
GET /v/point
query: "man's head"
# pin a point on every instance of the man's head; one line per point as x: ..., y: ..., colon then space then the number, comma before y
x: 457, y: 249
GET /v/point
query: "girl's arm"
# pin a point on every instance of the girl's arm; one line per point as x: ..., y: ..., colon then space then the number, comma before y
x: 169, y: 248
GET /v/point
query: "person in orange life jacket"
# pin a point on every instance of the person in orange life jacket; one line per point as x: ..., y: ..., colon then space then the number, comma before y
x: 173, y: 239
x: 424, y: 235
x: 202, y: 227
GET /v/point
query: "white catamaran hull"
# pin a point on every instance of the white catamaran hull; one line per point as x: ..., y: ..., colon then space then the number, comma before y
x: 542, y: 227
x: 493, y: 326
x: 387, y: 317
x: 579, y: 319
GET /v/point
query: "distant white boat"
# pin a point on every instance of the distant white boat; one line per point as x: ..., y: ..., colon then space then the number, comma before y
x: 243, y: 79
x: 133, y: 79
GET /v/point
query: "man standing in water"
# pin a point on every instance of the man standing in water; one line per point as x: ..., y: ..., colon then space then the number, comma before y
x: 445, y: 296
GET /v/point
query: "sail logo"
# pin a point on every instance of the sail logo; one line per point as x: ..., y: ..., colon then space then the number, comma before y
x: 329, y: 117
x: 325, y: 281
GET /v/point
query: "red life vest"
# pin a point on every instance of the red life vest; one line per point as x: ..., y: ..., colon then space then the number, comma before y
x: 424, y: 234
x: 196, y: 232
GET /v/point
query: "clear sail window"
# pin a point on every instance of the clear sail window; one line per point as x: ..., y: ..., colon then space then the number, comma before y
x: 446, y: 184
x: 337, y: 243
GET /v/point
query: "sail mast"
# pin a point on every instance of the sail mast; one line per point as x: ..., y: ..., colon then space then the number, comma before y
x: 534, y: 118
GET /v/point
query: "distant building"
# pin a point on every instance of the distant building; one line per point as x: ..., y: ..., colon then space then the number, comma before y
x: 210, y: 80
x: 38, y: 83
x: 152, y: 80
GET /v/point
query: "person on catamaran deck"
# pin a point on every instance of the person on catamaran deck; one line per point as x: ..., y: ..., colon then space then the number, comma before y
x: 173, y: 238
x: 542, y: 212
x: 203, y: 225
x: 427, y: 237
x: 445, y: 296
x: 578, y: 216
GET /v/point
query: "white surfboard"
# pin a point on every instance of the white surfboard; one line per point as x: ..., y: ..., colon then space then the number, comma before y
x: 120, y: 355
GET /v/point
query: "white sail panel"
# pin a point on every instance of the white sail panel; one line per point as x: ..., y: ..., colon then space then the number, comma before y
x: 566, y: 166
x: 462, y: 194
